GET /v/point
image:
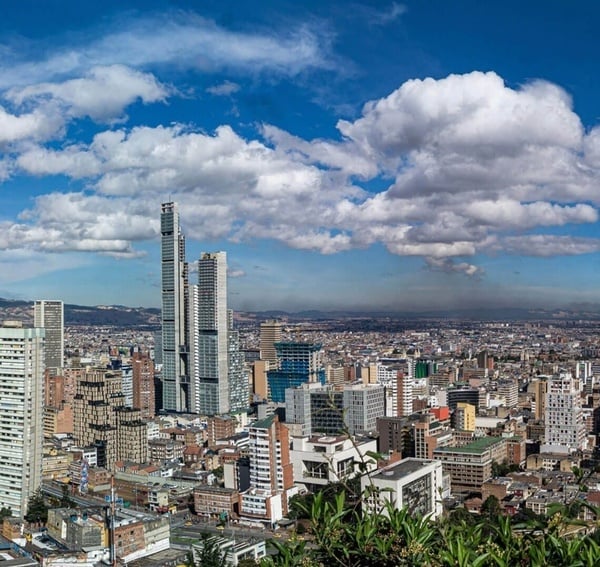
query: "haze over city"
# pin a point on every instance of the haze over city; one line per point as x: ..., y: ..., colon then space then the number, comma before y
x: 365, y: 155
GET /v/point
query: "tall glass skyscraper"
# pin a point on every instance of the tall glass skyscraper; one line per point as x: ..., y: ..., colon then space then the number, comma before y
x: 210, y: 384
x: 174, y: 311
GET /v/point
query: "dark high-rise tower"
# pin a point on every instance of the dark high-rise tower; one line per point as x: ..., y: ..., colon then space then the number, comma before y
x: 174, y: 311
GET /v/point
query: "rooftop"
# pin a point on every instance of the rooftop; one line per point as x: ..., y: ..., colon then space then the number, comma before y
x: 478, y: 446
x: 402, y: 468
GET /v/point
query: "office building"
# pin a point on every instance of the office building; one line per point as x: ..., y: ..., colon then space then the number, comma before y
x: 297, y: 364
x: 362, y: 406
x: 565, y: 430
x: 270, y: 333
x: 174, y: 287
x: 471, y: 465
x: 21, y: 414
x: 50, y: 315
x: 209, y: 329
x: 414, y: 484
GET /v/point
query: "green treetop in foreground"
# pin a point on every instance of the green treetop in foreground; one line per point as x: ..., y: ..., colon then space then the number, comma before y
x: 342, y: 536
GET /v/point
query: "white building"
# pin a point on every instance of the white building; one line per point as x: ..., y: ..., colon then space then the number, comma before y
x: 318, y: 461
x: 565, y: 428
x: 50, y: 315
x: 21, y: 414
x: 416, y: 484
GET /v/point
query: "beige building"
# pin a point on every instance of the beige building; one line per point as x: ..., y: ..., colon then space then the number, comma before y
x: 270, y: 333
x: 471, y: 465
x: 216, y: 500
x: 101, y: 420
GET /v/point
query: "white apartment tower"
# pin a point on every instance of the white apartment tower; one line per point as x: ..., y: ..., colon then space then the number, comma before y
x: 21, y: 411
x: 565, y: 428
x: 174, y: 288
x: 50, y: 315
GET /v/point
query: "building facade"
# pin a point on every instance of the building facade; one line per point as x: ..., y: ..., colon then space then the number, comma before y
x: 270, y: 333
x: 209, y: 336
x: 175, y: 296
x: 21, y: 415
x: 565, y: 428
x: 271, y: 473
x: 50, y: 315
x: 297, y: 364
x: 414, y: 484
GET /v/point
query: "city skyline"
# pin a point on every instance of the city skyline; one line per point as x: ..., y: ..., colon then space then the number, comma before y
x: 371, y: 156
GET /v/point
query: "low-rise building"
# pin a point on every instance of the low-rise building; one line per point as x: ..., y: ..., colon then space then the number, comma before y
x: 471, y: 465
x: 318, y: 461
x: 410, y: 483
x: 216, y: 500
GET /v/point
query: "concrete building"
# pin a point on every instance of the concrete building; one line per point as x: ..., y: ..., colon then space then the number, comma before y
x: 471, y: 465
x: 271, y: 473
x: 565, y: 429
x: 143, y: 384
x: 50, y: 315
x: 463, y: 417
x: 362, y: 405
x: 175, y: 297
x: 100, y: 419
x: 270, y: 333
x: 212, y: 501
x: 318, y: 461
x: 414, y: 484
x: 21, y: 414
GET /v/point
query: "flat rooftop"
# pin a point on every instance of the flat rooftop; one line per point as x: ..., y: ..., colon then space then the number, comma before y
x: 478, y: 446
x: 402, y: 468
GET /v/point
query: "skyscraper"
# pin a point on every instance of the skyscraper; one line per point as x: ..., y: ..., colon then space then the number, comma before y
x: 297, y: 363
x: 209, y: 332
x: 174, y: 311
x: 270, y: 333
x: 50, y: 316
x: 21, y: 414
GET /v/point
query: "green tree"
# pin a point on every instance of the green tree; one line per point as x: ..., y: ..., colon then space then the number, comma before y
x: 5, y: 513
x: 207, y: 553
x: 37, y: 511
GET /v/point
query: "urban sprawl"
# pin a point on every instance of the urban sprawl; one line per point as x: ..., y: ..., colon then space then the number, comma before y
x: 121, y: 445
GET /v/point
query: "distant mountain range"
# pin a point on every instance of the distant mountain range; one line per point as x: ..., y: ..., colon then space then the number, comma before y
x: 84, y: 315
x: 149, y: 317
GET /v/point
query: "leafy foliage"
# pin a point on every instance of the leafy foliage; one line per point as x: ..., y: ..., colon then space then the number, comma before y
x: 341, y: 535
x: 207, y: 554
x: 37, y: 510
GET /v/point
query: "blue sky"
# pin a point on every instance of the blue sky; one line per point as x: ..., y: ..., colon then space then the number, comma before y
x: 347, y: 155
